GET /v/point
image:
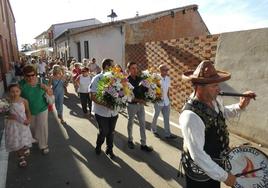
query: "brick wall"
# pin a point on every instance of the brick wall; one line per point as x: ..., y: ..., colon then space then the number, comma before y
x: 187, y: 23
x: 180, y: 54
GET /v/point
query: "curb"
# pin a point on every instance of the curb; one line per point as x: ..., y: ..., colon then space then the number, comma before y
x: 3, y: 162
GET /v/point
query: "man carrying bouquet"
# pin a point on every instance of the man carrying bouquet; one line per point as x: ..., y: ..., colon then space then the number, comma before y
x: 105, y: 116
x: 136, y: 107
x: 163, y: 105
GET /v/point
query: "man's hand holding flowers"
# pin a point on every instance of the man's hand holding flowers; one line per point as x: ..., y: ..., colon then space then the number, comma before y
x: 150, y: 87
x: 114, y: 90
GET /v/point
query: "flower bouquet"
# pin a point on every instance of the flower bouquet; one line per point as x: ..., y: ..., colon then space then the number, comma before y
x: 4, y: 107
x: 114, y: 90
x: 151, y: 87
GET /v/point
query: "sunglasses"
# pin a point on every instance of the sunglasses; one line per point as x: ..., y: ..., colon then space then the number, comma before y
x: 30, y: 75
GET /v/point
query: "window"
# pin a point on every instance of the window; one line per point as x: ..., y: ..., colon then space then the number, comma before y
x: 86, y: 49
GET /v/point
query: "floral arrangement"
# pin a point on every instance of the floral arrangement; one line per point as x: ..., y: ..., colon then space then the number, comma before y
x: 151, y: 86
x: 114, y: 90
x: 4, y: 106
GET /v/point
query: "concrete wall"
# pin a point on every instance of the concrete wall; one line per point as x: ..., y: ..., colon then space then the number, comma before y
x: 106, y: 42
x: 245, y: 55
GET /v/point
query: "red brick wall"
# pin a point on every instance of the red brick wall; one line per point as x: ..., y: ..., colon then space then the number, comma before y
x: 8, y: 38
x: 180, y: 54
x: 186, y: 23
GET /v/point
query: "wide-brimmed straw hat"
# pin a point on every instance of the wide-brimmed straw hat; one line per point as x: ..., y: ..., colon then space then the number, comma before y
x: 206, y: 73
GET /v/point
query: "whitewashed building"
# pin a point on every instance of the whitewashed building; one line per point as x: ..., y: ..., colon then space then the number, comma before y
x: 98, y: 41
x: 109, y: 40
x: 45, y: 41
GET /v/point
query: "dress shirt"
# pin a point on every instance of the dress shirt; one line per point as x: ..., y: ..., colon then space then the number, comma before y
x: 165, y: 84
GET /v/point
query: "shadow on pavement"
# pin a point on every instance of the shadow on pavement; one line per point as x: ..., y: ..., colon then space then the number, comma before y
x: 116, y: 175
x: 72, y: 102
x: 177, y: 143
x: 153, y: 160
x: 57, y: 169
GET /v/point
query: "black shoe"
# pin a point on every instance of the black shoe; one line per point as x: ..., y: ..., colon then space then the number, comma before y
x: 156, y: 135
x: 110, y: 154
x: 146, y: 148
x: 171, y: 136
x: 130, y: 145
x: 98, y: 150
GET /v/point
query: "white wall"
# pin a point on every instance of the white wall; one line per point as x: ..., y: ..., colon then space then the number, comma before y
x: 244, y: 54
x: 107, y: 42
x: 59, y: 28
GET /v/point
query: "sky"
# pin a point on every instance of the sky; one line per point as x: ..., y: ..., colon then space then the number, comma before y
x: 35, y: 16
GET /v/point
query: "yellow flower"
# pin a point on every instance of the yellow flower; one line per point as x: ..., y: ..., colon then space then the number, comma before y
x: 158, y: 91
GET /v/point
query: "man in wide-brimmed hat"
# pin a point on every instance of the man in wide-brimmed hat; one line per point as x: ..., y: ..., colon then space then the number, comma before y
x: 203, y: 126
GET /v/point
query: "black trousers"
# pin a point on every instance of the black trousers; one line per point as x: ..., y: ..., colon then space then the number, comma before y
x: 85, y: 102
x: 106, y: 130
x: 197, y: 184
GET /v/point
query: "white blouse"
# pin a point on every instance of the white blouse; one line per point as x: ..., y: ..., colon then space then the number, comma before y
x: 84, y: 83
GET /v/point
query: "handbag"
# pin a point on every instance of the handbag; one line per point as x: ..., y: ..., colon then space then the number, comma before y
x: 50, y: 99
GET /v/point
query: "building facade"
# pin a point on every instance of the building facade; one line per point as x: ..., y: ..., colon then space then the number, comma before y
x: 111, y: 39
x: 8, y: 44
x: 99, y: 41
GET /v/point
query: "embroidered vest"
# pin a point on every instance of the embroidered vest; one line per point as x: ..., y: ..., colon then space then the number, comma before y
x: 216, y: 134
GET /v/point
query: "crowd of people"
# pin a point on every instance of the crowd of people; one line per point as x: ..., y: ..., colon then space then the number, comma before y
x: 202, y: 119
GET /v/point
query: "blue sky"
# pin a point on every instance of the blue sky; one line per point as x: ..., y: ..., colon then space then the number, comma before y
x: 35, y: 16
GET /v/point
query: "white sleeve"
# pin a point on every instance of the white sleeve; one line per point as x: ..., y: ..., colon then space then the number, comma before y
x: 231, y: 111
x: 193, y: 131
x: 169, y: 81
x: 94, y: 84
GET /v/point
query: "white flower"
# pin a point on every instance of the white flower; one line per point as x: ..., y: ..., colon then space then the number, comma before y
x: 146, y: 73
x: 108, y: 74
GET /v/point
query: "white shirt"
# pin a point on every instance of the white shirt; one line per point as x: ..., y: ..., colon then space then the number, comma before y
x: 165, y: 84
x: 97, y: 108
x: 42, y: 67
x: 193, y: 131
x: 93, y: 67
x: 84, y: 82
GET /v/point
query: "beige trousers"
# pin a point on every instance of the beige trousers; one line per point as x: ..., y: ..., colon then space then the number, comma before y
x: 39, y: 128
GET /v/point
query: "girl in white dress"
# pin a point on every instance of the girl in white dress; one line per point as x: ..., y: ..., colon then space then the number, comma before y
x: 17, y: 131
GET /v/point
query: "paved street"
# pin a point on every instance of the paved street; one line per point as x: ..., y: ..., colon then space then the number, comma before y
x: 72, y: 161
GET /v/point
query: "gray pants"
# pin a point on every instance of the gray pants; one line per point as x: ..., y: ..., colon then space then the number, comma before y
x: 136, y: 109
x: 165, y: 112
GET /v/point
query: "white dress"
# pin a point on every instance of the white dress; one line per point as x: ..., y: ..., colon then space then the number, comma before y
x: 17, y: 135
